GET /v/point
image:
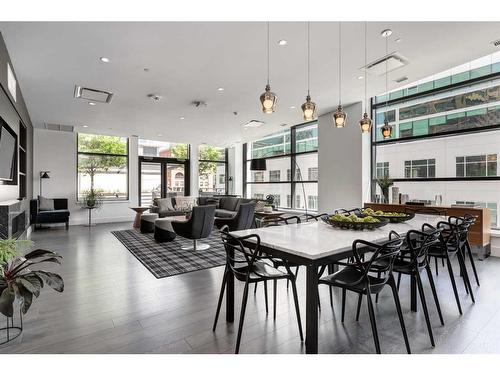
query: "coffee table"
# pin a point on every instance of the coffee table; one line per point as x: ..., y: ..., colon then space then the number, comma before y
x: 138, y: 213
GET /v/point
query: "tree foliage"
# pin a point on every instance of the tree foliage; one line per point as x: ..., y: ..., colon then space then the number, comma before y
x: 209, y: 153
x: 179, y: 151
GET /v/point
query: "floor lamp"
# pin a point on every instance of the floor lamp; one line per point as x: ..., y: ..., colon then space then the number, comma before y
x: 260, y: 165
x: 43, y: 176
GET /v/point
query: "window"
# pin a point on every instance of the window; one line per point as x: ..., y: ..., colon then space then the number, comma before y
x: 163, y: 149
x: 212, y: 170
x: 280, y: 154
x: 476, y: 166
x: 274, y: 176
x: 312, y: 202
x: 277, y: 201
x: 425, y: 168
x: 312, y: 174
x: 258, y: 196
x: 102, y: 166
x: 382, y: 169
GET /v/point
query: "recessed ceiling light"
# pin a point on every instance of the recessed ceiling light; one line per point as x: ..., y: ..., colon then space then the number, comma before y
x: 104, y: 59
x: 160, y: 135
x: 85, y: 126
x: 292, y: 107
x: 181, y: 118
x: 91, y: 103
x: 360, y: 77
x: 220, y: 89
x: 282, y: 42
x: 386, y: 33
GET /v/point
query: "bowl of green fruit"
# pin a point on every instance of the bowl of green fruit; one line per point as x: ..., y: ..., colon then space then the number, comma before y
x: 393, y: 217
x: 353, y: 221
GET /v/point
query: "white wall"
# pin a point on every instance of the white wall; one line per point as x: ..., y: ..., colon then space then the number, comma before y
x: 56, y: 152
x: 340, y: 162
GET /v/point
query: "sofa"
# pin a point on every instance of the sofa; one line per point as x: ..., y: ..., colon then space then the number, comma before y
x: 226, y: 206
x: 174, y: 206
x: 59, y: 213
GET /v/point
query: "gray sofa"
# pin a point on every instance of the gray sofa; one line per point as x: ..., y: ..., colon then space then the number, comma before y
x: 165, y: 207
x: 226, y: 206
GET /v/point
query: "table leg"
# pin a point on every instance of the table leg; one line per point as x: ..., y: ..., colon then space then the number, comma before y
x: 312, y: 310
x: 230, y: 293
x: 137, y: 221
x: 413, y: 293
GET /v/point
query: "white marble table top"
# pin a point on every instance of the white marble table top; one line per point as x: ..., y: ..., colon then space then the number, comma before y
x: 316, y: 239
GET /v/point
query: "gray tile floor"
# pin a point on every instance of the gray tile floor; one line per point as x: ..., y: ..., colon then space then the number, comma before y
x: 113, y: 304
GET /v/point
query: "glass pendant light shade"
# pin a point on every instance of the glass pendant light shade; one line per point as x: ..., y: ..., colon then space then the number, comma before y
x: 339, y: 117
x: 386, y: 130
x: 365, y: 124
x: 268, y: 100
x: 309, y: 109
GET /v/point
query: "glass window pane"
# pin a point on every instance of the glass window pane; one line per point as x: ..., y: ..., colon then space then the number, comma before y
x: 420, y: 127
x: 279, y: 191
x: 305, y: 162
x: 272, y: 145
x: 209, y: 178
x: 278, y: 166
x: 102, y: 144
x: 445, y: 81
x: 163, y: 149
x: 311, y: 196
x: 306, y: 138
x: 206, y: 152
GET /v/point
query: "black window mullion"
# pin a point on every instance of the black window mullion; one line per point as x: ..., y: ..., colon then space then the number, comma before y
x: 293, y: 135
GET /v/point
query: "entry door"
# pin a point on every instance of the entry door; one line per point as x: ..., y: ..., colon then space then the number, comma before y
x: 175, y: 178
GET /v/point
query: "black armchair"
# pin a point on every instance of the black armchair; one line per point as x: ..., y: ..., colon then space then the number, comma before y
x: 60, y: 213
x: 199, y: 226
x: 244, y: 219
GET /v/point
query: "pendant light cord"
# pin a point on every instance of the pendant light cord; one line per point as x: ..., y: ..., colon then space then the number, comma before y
x: 340, y: 63
x: 386, y: 85
x: 308, y: 56
x: 366, y: 78
x: 268, y: 53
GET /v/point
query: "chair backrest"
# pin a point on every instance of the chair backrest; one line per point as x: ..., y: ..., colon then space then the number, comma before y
x: 202, y: 221
x: 314, y: 217
x: 426, y: 210
x: 239, y: 257
x: 381, y: 261
x: 419, y: 243
x: 462, y: 226
x: 280, y: 221
x: 449, y: 235
x: 244, y: 218
x: 356, y: 211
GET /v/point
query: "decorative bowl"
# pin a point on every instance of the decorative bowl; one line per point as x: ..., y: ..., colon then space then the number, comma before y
x: 355, y: 225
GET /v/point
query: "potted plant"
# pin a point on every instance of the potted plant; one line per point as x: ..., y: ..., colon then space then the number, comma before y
x: 385, y: 183
x: 20, y: 280
x: 92, y: 198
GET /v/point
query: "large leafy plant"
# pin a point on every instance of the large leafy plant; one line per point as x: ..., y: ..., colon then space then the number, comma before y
x: 19, y: 281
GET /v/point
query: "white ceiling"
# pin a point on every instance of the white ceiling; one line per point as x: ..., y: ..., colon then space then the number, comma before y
x: 189, y: 60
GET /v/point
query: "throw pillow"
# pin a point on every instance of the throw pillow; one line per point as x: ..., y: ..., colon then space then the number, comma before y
x: 164, y: 204
x: 45, y: 204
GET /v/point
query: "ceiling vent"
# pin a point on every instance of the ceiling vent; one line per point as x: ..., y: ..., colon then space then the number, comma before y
x: 401, y: 79
x: 496, y: 43
x: 93, y: 95
x: 253, y: 124
x: 58, y: 127
x: 394, y: 61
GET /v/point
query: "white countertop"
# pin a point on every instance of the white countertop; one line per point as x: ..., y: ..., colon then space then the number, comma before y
x: 316, y: 239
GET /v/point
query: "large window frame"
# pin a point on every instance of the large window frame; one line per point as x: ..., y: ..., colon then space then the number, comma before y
x: 127, y: 156
x: 216, y: 162
x: 292, y: 178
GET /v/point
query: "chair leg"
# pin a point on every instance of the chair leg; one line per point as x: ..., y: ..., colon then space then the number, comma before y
x: 358, y: 310
x: 221, y: 296
x: 255, y: 288
x: 373, y: 323
x: 424, y: 307
x: 434, y: 293
x: 265, y: 295
x: 343, y: 303
x: 330, y: 288
x: 275, y: 291
x: 399, y: 280
x: 297, y: 310
x: 473, y: 264
x: 242, y: 318
x: 395, y: 294
x: 376, y: 295
x: 465, y: 275
x: 436, y: 264
x: 453, y: 284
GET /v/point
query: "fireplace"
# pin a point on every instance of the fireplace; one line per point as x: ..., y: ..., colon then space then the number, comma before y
x: 13, y: 218
x: 18, y: 225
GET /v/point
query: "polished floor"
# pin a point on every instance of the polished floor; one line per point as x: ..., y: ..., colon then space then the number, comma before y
x: 113, y: 304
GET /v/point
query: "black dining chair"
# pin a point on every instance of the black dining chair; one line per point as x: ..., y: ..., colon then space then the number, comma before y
x: 359, y: 277
x: 412, y: 261
x: 251, y: 265
x: 464, y: 224
x: 447, y: 248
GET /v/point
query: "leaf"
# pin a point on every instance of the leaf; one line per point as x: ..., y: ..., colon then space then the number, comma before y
x: 26, y: 298
x: 32, y: 283
x: 51, y: 279
x: 41, y: 253
x: 6, y: 302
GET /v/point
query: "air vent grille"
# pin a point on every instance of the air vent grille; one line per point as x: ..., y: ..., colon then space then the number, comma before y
x: 394, y: 61
x: 93, y: 95
x: 401, y: 79
x: 253, y: 124
x: 58, y: 127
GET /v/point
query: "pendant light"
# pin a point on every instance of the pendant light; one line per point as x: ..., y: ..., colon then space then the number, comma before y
x: 365, y: 123
x: 309, y: 107
x: 339, y: 116
x: 268, y: 98
x: 386, y: 128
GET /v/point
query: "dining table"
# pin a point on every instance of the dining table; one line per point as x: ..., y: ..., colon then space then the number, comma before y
x: 315, y: 244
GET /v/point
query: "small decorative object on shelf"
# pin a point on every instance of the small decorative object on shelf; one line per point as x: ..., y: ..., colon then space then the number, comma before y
x: 385, y: 183
x: 20, y: 282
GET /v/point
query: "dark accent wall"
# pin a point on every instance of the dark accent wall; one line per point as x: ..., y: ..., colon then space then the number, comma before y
x: 14, y: 113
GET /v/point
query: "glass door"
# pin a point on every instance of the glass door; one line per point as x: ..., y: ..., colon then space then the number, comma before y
x: 161, y: 178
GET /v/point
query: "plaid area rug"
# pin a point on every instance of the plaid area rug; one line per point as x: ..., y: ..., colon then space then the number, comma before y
x: 166, y: 258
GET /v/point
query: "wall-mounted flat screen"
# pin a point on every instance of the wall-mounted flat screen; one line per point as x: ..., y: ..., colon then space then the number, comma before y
x: 7, y: 154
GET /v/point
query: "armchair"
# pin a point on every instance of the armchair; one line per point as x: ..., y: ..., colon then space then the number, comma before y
x: 199, y: 226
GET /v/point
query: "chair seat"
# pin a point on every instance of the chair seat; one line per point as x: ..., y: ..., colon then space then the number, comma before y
x: 349, y: 275
x: 281, y: 263
x: 260, y: 270
x: 52, y: 216
x: 222, y: 213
